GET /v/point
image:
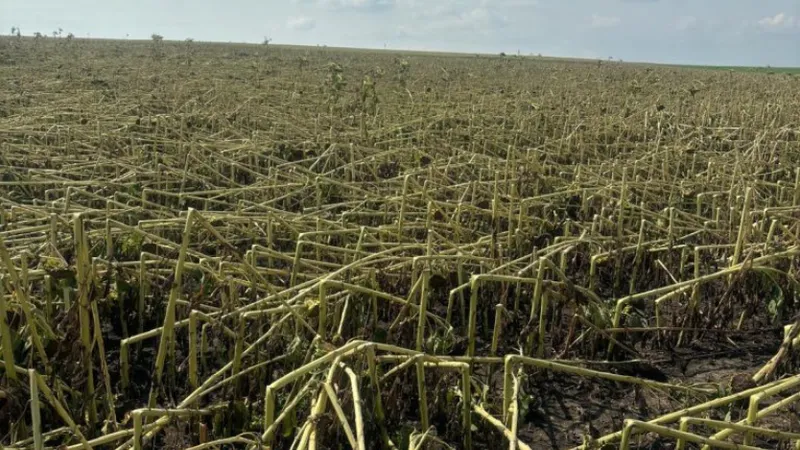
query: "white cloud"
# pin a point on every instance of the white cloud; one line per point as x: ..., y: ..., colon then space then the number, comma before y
x: 512, y: 3
x: 444, y: 18
x: 605, y: 21
x: 358, y: 5
x: 480, y: 16
x: 686, y: 23
x: 438, y: 9
x: 301, y: 23
x: 364, y: 4
x: 778, y: 21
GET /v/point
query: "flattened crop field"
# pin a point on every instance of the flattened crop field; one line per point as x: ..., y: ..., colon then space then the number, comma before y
x: 219, y: 246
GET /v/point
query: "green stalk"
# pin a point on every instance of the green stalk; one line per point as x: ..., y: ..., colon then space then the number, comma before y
x: 109, y: 239
x: 513, y: 440
x: 288, y: 409
x: 269, y: 401
x: 36, y: 418
x: 671, y: 228
x: 422, y: 392
x: 169, y: 318
x: 345, y: 309
x: 744, y: 226
x: 359, y: 417
x: 638, y: 258
x: 671, y: 289
x: 718, y: 424
x: 319, y: 406
x: 770, y: 234
x: 373, y: 282
x: 695, y: 299
x: 593, y: 268
x: 84, y: 287
x: 5, y: 334
x: 48, y: 298
x: 536, y: 304
x: 296, y: 261
x: 22, y: 299
x: 270, y: 243
x: 796, y: 198
x: 139, y: 414
x: 423, y: 299
x: 323, y: 312
x: 630, y: 424
x: 403, y: 203
x: 193, y: 349
x: 497, y: 424
x: 622, y: 204
x: 238, y: 347
x: 98, y: 339
x: 473, y: 315
x: 337, y: 407
x: 466, y: 389
x: 499, y: 309
x: 204, y: 347
x: 542, y: 325
x: 142, y: 291
x: 124, y: 365
x: 462, y: 279
x: 562, y: 263
x: 62, y: 413
x: 380, y: 415
x: 508, y: 374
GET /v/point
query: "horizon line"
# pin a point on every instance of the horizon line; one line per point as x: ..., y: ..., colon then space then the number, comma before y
x: 89, y: 37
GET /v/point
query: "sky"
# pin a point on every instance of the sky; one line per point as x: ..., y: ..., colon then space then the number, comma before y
x: 705, y: 32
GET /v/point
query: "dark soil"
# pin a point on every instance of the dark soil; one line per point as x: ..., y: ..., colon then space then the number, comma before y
x: 562, y: 409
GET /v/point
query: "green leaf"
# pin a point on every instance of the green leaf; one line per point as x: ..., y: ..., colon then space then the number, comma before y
x: 775, y: 302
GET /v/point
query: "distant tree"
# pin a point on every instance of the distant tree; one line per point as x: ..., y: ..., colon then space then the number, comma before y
x: 403, y: 71
x: 158, y: 42
x: 335, y: 83
x: 267, y: 40
x: 13, y: 30
x: 37, y: 35
x: 303, y: 62
x: 190, y: 50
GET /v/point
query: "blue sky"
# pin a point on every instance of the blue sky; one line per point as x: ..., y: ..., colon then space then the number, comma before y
x: 723, y: 32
